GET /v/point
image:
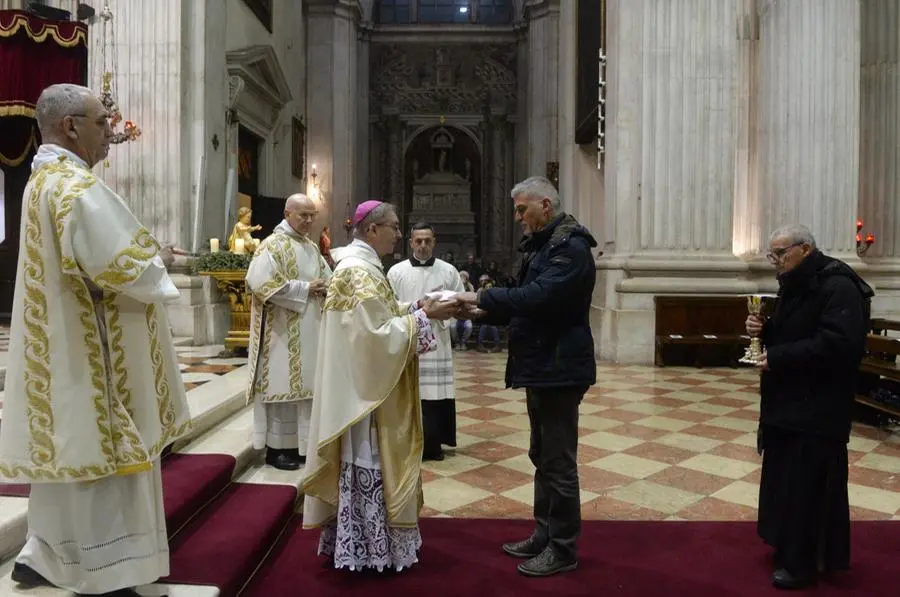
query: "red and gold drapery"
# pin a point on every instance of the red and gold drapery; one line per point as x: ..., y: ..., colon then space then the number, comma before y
x: 34, y: 53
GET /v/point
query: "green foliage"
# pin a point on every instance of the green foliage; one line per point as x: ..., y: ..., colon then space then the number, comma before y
x: 222, y: 261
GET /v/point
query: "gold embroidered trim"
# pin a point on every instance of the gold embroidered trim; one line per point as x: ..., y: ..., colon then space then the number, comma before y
x: 130, y: 262
x: 353, y: 285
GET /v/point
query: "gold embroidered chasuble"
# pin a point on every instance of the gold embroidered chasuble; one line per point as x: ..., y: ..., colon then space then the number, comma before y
x: 93, y: 387
x: 367, y: 366
x: 283, y: 342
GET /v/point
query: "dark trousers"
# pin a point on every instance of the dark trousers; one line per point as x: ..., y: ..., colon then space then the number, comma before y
x: 553, y: 414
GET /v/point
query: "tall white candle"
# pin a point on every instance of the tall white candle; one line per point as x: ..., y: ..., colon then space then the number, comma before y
x: 213, y: 245
x: 239, y: 246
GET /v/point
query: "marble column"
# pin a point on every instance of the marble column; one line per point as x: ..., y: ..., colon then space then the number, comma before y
x: 809, y: 119
x: 332, y: 89
x: 542, y: 17
x: 879, y: 145
x: 687, y: 157
x: 746, y: 176
x: 156, y: 174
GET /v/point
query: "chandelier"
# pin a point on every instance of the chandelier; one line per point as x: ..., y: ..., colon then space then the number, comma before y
x: 109, y: 91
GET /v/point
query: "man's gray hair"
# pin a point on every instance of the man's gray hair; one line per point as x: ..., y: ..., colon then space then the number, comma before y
x: 58, y: 101
x: 376, y: 216
x: 537, y: 187
x: 796, y: 234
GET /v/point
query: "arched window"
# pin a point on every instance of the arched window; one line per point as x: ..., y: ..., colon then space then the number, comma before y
x: 482, y: 12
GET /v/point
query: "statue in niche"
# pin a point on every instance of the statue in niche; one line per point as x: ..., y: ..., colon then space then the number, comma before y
x: 468, y: 169
x: 442, y: 161
x: 242, y: 230
x: 415, y: 168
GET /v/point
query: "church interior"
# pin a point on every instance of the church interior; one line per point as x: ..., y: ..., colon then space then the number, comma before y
x: 681, y: 133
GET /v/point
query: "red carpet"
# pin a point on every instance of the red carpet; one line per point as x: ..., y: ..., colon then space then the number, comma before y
x: 621, y: 559
x: 225, y: 543
x: 190, y: 481
x: 15, y: 490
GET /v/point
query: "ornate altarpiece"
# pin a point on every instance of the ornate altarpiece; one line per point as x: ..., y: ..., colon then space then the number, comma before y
x: 471, y: 89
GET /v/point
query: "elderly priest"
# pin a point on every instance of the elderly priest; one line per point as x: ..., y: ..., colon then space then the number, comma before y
x: 287, y: 279
x: 93, y: 390
x: 363, y: 485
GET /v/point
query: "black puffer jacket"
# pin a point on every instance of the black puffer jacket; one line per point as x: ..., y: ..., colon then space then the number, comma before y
x: 550, y: 340
x: 815, y: 341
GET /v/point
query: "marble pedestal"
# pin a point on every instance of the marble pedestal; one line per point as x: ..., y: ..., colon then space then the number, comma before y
x: 201, y: 313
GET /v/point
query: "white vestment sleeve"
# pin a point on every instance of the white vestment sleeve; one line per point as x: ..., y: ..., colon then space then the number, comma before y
x: 293, y: 296
x: 101, y: 237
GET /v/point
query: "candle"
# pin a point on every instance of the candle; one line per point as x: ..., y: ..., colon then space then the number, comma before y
x: 239, y: 246
x: 213, y: 245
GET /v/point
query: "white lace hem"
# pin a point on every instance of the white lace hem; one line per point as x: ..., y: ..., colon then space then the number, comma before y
x: 360, y: 537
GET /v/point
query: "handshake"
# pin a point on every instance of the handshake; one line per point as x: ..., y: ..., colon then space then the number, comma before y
x: 450, y: 305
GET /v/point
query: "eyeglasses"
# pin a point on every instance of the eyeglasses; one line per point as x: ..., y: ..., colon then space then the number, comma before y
x: 777, y: 255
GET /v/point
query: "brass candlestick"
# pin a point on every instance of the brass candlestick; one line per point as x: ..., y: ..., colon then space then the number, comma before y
x: 754, y: 353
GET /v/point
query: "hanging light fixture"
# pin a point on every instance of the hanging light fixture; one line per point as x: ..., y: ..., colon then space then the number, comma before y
x: 109, y: 91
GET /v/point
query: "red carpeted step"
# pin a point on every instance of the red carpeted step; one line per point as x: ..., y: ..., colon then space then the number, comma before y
x: 620, y: 558
x: 225, y: 543
x: 15, y: 489
x: 190, y: 481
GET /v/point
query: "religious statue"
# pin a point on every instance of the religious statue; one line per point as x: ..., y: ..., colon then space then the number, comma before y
x: 241, y: 232
x: 325, y: 247
x: 442, y: 161
x: 415, y: 168
x: 468, y: 169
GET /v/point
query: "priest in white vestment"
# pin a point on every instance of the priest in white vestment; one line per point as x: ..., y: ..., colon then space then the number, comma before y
x: 287, y: 278
x: 93, y: 389
x: 412, y: 279
x: 363, y: 485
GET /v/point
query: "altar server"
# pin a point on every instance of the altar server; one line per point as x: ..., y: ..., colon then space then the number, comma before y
x: 93, y: 389
x: 412, y: 279
x: 287, y: 278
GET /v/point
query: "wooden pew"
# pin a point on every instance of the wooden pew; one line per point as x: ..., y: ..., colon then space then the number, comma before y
x: 881, y: 325
x: 692, y: 324
x: 879, y: 367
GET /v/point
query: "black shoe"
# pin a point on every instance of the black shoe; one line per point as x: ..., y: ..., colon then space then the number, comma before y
x: 782, y: 579
x: 528, y: 548
x: 295, y: 456
x: 435, y: 456
x: 281, y: 461
x: 119, y: 593
x: 547, y: 564
x: 28, y: 577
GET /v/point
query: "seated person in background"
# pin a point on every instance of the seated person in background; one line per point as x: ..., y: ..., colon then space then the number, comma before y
x: 484, y: 283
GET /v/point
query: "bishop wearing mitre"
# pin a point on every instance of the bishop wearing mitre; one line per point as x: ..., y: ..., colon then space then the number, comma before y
x: 363, y: 485
x: 411, y: 279
x: 287, y: 279
x: 93, y: 389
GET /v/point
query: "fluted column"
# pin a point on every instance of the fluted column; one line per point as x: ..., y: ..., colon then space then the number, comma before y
x: 332, y: 89
x: 746, y: 176
x: 543, y: 89
x: 364, y: 40
x: 689, y: 73
x: 809, y: 119
x: 879, y: 175
x: 153, y: 174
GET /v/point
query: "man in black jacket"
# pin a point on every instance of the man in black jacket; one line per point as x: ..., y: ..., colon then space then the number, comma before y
x: 814, y: 342
x: 551, y: 355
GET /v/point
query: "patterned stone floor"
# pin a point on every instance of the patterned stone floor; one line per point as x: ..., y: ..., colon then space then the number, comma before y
x: 654, y: 444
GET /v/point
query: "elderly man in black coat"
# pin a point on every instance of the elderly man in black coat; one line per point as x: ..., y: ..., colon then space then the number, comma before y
x: 814, y: 343
x: 551, y: 355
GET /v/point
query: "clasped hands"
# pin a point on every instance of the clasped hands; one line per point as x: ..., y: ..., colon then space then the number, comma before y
x: 318, y: 288
x: 462, y: 306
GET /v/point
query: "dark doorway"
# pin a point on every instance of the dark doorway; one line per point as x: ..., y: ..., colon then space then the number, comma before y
x: 248, y: 162
x: 14, y: 180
